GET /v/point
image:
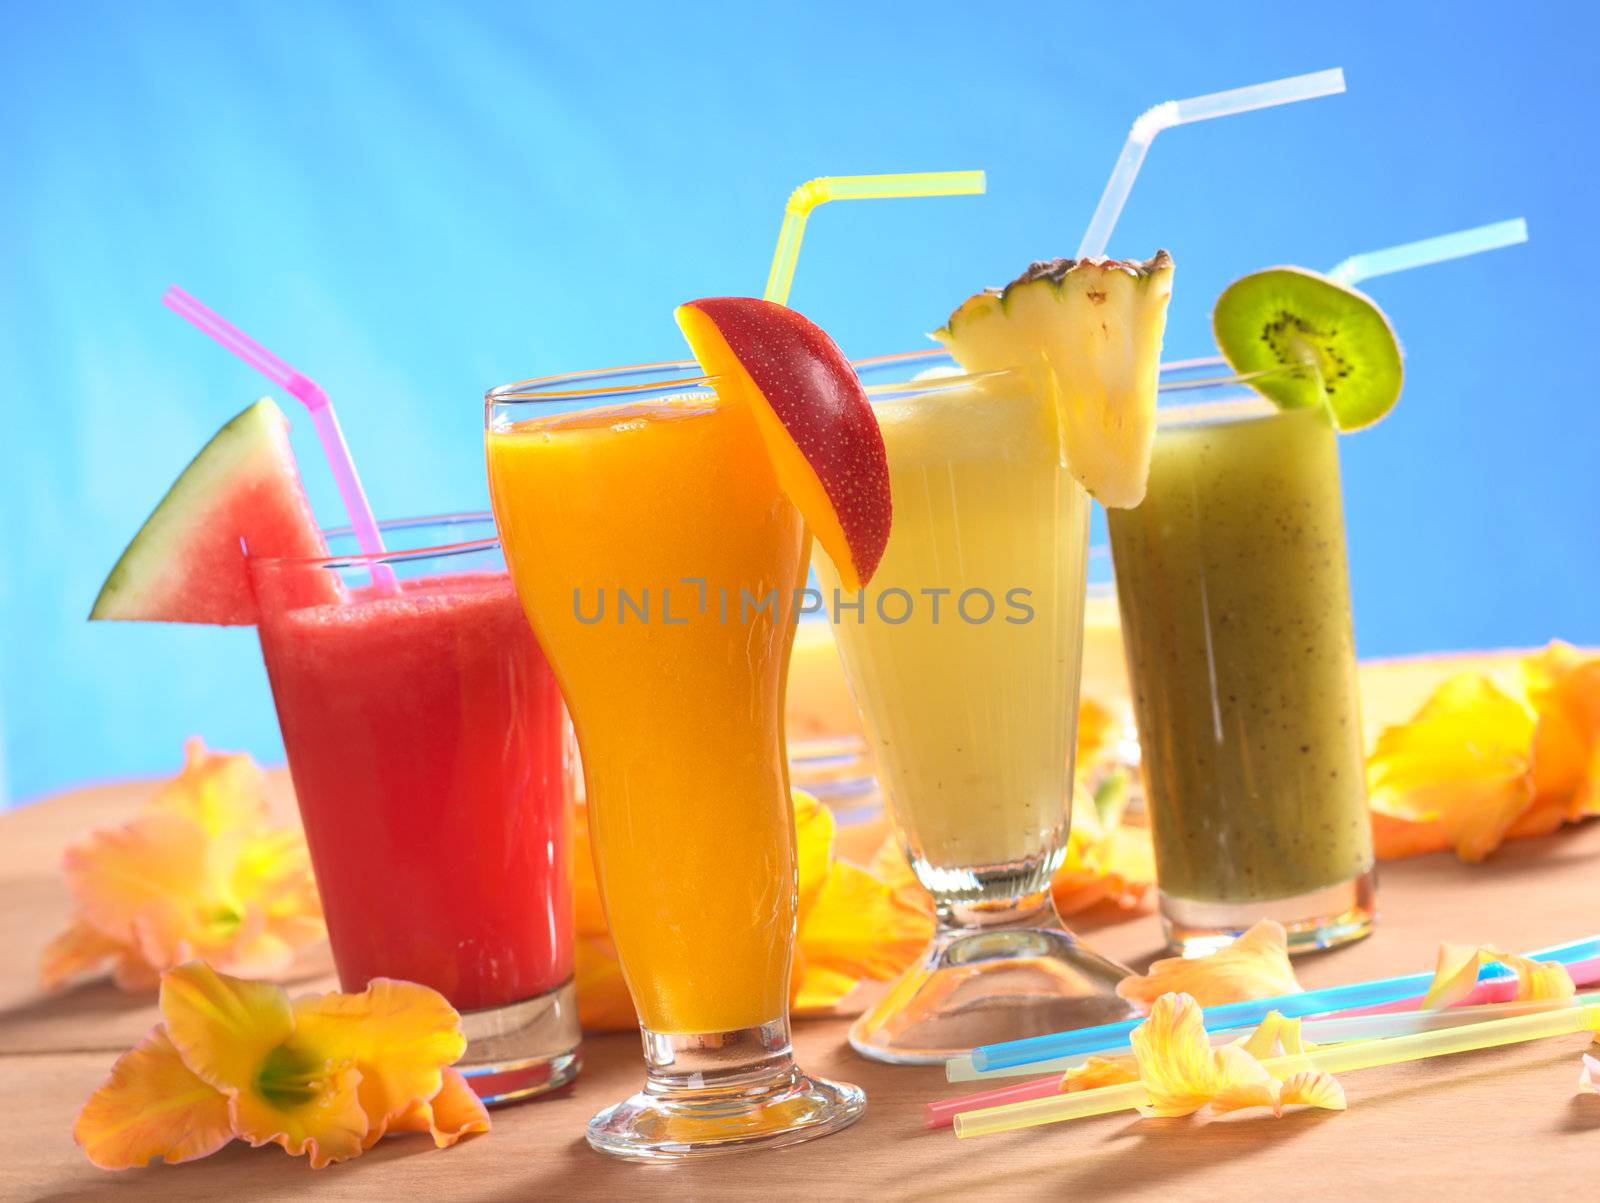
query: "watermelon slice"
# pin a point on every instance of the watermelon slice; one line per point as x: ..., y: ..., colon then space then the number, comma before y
x: 187, y: 562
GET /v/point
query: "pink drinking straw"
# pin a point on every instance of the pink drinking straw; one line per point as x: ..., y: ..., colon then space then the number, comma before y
x: 315, y: 399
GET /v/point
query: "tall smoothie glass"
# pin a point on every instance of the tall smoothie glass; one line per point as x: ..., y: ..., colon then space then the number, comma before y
x: 1235, y: 600
x: 432, y: 764
x: 658, y: 561
x: 964, y: 657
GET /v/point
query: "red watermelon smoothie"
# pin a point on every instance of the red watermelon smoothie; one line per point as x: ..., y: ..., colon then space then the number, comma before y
x: 429, y: 751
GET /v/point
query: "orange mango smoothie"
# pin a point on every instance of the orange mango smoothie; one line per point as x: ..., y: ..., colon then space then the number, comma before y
x: 645, y: 541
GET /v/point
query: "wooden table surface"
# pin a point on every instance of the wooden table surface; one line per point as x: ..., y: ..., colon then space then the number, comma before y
x: 1506, y: 1123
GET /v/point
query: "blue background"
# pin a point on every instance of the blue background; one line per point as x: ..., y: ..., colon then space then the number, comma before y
x: 414, y: 201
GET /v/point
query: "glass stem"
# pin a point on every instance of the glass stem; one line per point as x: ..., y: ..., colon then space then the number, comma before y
x: 750, y: 1060
x: 1032, y: 909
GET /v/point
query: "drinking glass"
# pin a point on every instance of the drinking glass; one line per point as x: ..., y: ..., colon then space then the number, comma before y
x: 658, y: 560
x: 1235, y: 600
x: 432, y: 764
x: 963, y: 656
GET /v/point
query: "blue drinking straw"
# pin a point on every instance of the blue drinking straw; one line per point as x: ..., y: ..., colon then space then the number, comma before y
x: 1430, y: 250
x: 1242, y: 1014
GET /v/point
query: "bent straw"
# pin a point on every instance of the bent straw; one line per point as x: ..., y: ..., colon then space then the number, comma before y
x: 853, y: 187
x: 1365, y: 1054
x: 942, y: 1112
x: 1490, y: 991
x: 316, y: 401
x: 1181, y: 112
x: 1243, y: 1014
x: 1430, y: 250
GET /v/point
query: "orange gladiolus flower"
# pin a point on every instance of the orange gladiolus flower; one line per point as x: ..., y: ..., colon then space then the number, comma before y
x: 325, y: 1076
x: 852, y: 927
x: 1478, y: 765
x: 1256, y: 965
x: 201, y: 872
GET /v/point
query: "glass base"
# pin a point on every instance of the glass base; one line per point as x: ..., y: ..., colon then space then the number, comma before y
x: 984, y: 983
x: 712, y: 1093
x: 523, y: 1048
x: 1317, y: 919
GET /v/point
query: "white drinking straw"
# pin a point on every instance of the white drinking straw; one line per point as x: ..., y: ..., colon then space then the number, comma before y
x: 1431, y: 250
x: 1182, y: 112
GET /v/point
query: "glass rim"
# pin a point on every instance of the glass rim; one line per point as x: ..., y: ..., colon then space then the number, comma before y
x: 366, y: 559
x: 1173, y: 409
x: 682, y: 377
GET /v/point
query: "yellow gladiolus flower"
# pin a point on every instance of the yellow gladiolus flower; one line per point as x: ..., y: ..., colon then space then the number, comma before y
x: 1456, y: 975
x: 852, y: 926
x: 1174, y: 1058
x: 200, y: 873
x: 1478, y: 765
x: 1183, y: 1071
x: 1256, y: 965
x: 324, y: 1076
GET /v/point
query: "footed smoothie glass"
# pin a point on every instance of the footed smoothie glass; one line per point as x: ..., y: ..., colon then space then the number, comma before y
x: 1235, y: 600
x: 432, y: 765
x: 964, y: 657
x: 658, y: 560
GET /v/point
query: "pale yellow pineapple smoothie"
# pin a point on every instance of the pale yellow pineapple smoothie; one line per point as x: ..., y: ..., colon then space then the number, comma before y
x: 965, y: 656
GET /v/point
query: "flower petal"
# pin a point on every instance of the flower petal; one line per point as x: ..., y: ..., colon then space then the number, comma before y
x: 79, y: 948
x: 121, y: 874
x: 451, y: 1114
x: 1395, y: 838
x: 813, y: 828
x: 199, y: 875
x: 1101, y: 1071
x: 1247, y: 1084
x: 152, y: 1105
x: 604, y: 1004
x: 1182, y: 1071
x: 1563, y: 687
x: 220, y: 791
x: 328, y: 1126
x: 1256, y: 965
x: 1462, y: 761
x: 1589, y: 1075
x: 1314, y: 1088
x: 223, y: 1027
x: 1278, y: 1035
x: 399, y: 1035
x: 1097, y: 731
x: 859, y: 928
x: 1456, y: 975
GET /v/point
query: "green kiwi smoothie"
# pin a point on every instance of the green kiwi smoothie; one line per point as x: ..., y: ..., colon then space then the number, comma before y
x: 1235, y: 602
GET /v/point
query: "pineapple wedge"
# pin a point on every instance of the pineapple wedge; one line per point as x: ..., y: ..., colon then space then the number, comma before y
x: 1094, y: 326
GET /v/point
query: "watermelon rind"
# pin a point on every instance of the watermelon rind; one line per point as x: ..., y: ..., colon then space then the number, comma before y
x: 148, y: 582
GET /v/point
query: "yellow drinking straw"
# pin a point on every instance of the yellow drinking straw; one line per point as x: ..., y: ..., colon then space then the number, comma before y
x: 853, y: 187
x: 1363, y: 1055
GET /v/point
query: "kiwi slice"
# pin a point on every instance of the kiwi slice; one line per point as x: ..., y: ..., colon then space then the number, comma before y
x: 1289, y: 315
